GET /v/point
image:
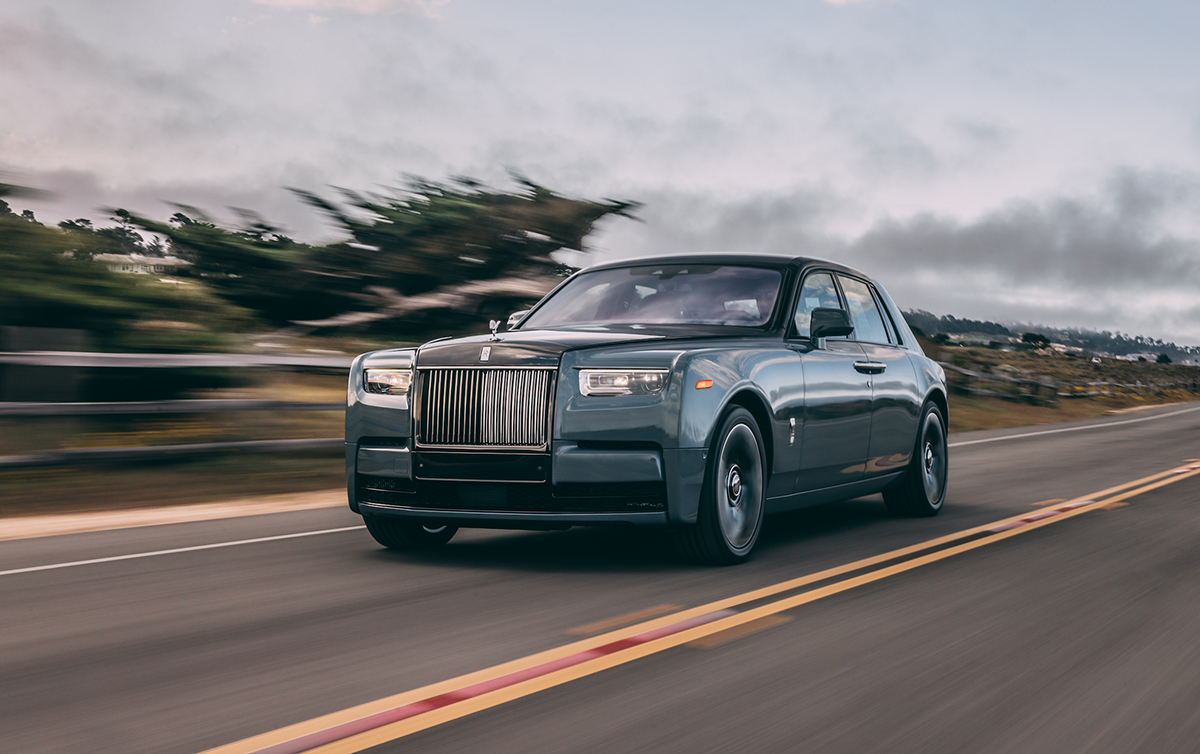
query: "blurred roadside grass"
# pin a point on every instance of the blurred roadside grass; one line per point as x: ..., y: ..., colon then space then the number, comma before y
x: 32, y: 492
x: 969, y: 413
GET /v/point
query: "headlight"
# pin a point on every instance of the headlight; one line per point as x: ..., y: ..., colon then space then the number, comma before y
x: 388, y: 381
x: 622, y: 381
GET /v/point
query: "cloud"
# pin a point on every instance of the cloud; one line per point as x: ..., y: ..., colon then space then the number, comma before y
x: 69, y: 194
x: 1111, y: 243
x: 841, y: 3
x: 1118, y: 258
x: 678, y: 222
x: 987, y: 135
x: 891, y: 152
x: 361, y: 7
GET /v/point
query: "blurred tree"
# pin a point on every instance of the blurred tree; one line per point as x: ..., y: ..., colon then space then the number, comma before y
x: 87, y: 240
x: 428, y: 246
x: 44, y: 284
x: 1163, y: 359
x: 251, y: 267
x: 430, y: 235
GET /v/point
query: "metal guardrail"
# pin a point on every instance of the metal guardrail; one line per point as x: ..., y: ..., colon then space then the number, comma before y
x: 173, y: 360
x: 78, y: 456
x: 77, y: 359
x: 202, y: 405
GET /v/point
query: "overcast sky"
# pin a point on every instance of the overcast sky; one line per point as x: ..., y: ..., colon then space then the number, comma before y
x: 1022, y: 161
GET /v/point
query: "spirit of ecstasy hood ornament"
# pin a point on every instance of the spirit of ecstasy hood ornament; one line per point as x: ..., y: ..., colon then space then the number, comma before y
x: 495, y: 325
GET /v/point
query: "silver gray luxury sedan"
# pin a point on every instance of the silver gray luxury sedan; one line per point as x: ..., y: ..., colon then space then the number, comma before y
x: 692, y: 392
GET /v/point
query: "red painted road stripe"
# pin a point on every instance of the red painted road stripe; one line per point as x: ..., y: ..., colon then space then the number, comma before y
x: 1048, y: 513
x: 404, y: 712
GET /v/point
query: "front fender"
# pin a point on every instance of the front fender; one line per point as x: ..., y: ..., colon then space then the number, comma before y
x: 769, y: 382
x: 774, y: 378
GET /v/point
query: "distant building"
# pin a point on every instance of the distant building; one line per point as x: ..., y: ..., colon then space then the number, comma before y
x: 138, y: 264
x: 1061, y: 348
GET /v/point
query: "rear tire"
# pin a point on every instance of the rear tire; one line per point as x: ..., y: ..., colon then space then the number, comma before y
x: 401, y: 534
x: 923, y: 489
x: 733, y: 498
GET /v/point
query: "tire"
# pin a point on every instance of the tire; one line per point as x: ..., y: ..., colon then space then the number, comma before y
x: 733, y: 498
x: 401, y: 534
x: 922, y: 491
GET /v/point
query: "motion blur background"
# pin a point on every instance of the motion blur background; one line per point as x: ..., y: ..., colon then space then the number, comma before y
x: 291, y: 182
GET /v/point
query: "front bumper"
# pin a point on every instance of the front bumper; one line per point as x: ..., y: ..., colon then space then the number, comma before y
x: 572, y: 485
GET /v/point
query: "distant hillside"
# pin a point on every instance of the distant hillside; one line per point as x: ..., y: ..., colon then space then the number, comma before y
x: 1102, y: 342
x: 931, y: 325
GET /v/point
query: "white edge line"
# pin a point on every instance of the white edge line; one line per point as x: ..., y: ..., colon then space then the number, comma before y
x: 1074, y: 429
x: 173, y: 551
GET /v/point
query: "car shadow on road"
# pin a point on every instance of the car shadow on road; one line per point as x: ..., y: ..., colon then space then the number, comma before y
x: 615, y: 550
x: 850, y: 517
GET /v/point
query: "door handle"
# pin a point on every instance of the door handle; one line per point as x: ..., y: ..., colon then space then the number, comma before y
x: 870, y: 367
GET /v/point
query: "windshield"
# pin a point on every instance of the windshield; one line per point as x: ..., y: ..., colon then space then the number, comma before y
x: 663, y: 295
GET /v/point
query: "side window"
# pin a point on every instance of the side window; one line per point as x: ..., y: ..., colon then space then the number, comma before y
x: 868, y: 322
x: 889, y: 317
x: 887, y: 320
x: 817, y: 291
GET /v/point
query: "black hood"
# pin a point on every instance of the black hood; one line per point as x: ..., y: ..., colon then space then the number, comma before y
x: 518, y: 348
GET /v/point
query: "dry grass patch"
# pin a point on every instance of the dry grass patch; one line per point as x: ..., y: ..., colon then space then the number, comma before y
x: 969, y: 413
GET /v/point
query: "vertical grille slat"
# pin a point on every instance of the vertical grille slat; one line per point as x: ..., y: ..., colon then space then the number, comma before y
x: 485, y: 408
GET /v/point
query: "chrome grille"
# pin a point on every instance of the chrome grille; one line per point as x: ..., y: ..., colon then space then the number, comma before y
x: 485, y: 407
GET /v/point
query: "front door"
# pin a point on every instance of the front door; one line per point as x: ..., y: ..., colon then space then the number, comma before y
x: 836, y: 434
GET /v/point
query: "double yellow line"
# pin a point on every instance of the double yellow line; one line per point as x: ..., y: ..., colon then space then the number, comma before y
x: 374, y: 723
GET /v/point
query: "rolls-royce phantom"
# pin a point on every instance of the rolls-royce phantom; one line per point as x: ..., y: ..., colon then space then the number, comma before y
x: 693, y: 392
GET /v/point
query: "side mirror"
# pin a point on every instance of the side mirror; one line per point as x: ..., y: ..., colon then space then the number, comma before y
x: 829, y: 323
x: 515, y: 318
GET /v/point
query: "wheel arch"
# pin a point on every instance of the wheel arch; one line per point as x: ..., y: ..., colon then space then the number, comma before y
x: 750, y: 400
x: 938, y: 397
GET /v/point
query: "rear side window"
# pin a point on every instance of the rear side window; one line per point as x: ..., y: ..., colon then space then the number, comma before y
x: 818, y: 291
x: 893, y: 336
x: 864, y: 313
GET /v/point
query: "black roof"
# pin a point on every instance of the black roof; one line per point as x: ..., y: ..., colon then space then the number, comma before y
x: 756, y: 259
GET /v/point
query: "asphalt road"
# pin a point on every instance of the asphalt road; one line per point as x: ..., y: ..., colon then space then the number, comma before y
x: 1082, y: 635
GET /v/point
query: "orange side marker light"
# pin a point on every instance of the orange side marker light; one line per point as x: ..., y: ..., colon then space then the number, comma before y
x: 702, y: 384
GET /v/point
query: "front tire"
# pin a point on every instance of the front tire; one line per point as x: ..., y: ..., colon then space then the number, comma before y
x: 923, y: 489
x: 733, y: 498
x: 401, y: 534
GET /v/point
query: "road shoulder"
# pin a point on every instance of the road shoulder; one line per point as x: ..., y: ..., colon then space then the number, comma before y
x: 26, y: 527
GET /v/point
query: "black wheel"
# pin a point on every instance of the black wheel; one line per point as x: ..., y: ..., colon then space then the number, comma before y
x: 732, y: 500
x: 402, y: 534
x: 923, y: 489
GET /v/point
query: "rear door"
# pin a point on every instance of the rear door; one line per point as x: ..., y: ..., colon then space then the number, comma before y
x: 895, y: 396
x: 835, y: 437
